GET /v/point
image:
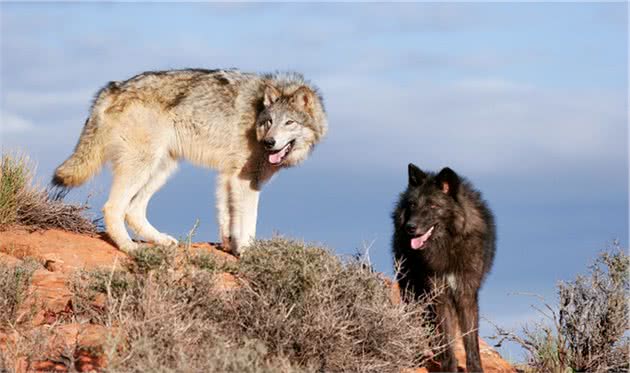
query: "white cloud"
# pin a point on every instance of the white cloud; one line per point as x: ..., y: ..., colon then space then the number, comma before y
x: 484, y: 125
x: 30, y: 100
x: 13, y: 123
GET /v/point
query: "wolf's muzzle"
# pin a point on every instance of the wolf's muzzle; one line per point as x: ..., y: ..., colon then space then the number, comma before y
x: 269, y: 143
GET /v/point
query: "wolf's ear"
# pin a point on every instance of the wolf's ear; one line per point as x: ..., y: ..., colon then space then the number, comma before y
x: 303, y: 98
x: 271, y: 95
x: 448, y: 181
x: 416, y: 176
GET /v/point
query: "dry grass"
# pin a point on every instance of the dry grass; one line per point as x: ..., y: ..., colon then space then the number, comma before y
x: 333, y: 315
x: 300, y: 309
x: 25, y: 204
x: 14, y: 281
x: 588, y: 330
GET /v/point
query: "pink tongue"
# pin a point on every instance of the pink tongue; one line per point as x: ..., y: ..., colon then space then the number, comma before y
x: 418, y: 242
x: 276, y: 158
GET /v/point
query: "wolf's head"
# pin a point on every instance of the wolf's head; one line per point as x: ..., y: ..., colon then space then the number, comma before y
x: 292, y: 122
x: 428, y: 213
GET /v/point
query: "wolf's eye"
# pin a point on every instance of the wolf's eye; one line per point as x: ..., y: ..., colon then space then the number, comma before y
x: 413, y: 205
x: 289, y: 122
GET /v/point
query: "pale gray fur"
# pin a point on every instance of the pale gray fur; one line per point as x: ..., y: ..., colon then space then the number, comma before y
x: 213, y: 118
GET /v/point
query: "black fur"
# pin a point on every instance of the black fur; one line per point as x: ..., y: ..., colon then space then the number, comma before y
x: 461, y: 248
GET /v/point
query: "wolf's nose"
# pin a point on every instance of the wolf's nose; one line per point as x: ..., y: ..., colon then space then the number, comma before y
x: 269, y: 143
x: 411, y: 228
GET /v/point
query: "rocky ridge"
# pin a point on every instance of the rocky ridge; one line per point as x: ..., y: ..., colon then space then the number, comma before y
x: 47, y: 306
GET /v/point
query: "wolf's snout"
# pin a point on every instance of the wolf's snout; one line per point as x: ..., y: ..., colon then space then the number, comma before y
x: 411, y: 228
x: 269, y: 142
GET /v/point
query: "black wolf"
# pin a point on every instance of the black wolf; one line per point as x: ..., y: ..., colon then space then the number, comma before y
x: 444, y: 237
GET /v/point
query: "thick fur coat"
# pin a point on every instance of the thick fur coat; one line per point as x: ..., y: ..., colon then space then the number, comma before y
x: 246, y: 126
x: 444, y: 243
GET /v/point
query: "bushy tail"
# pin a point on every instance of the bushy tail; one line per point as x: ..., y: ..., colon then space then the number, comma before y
x: 89, y: 154
x: 86, y: 160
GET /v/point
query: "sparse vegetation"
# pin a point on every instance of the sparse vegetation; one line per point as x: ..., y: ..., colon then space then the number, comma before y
x: 333, y: 315
x: 588, y: 330
x: 147, y: 258
x: 25, y: 204
x: 14, y: 282
x: 297, y: 308
x: 116, y: 282
x: 209, y: 263
x: 301, y: 308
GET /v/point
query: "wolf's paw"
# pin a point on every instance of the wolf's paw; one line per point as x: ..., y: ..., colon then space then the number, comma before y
x: 226, y: 243
x: 166, y: 240
x: 128, y: 247
x: 236, y: 250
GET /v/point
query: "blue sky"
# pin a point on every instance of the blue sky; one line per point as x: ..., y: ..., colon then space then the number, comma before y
x: 529, y: 101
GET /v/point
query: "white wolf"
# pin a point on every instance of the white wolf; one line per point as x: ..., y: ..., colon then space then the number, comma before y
x: 246, y: 126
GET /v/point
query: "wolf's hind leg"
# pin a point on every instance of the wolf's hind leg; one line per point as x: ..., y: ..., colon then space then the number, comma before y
x: 223, y: 209
x: 136, y: 215
x: 128, y: 179
x: 468, y: 312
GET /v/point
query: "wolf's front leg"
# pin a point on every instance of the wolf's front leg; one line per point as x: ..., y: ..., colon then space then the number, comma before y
x: 243, y: 213
x: 249, y: 216
x: 446, y: 319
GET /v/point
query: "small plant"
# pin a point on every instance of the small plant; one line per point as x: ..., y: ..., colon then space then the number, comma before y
x: 589, y: 329
x: 116, y: 282
x: 205, y: 262
x: 14, y: 282
x: 287, y: 269
x: 209, y: 263
x: 148, y: 258
x: 25, y: 204
x: 13, y: 181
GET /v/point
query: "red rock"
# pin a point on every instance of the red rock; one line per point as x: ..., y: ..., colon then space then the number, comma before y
x: 9, y: 260
x: 212, y: 249
x: 100, y: 300
x: 490, y: 360
x: 394, y: 292
x: 53, y: 345
x: 47, y: 295
x: 83, y: 335
x: 226, y: 281
x: 47, y: 366
x: 84, y: 341
x: 63, y: 251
